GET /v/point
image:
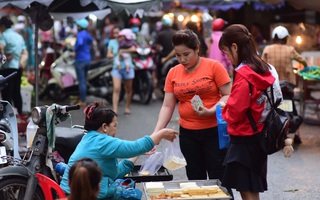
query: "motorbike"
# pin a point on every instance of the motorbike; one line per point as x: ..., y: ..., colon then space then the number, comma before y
x: 19, y: 179
x: 64, y: 81
x: 8, y: 127
x: 142, y: 82
x: 289, y: 107
x: 51, y: 53
x: 163, y: 70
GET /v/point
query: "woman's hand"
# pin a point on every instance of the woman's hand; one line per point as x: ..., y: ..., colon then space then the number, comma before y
x: 166, y: 133
x: 203, y: 111
x: 152, y: 151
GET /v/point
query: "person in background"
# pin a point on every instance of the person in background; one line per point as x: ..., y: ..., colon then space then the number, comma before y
x: 207, y: 78
x: 255, y: 30
x: 84, y: 180
x: 82, y: 58
x: 281, y: 55
x: 13, y: 46
x: 122, y: 74
x: 246, y: 162
x: 203, y: 46
x: 101, y: 145
x: 215, y: 53
x: 126, y: 41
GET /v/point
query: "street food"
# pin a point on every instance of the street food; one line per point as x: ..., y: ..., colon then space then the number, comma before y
x: 173, y: 163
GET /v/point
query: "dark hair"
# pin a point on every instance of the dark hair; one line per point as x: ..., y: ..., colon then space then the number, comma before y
x: 96, y: 115
x: 186, y: 37
x: 84, y: 179
x: 247, y: 49
x: 277, y: 40
x: 6, y: 21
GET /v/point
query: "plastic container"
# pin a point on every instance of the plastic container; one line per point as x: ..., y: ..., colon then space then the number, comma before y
x: 60, y: 168
x: 31, y: 132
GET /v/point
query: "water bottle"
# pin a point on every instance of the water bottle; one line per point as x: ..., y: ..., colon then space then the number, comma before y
x: 61, y: 167
x: 31, y: 132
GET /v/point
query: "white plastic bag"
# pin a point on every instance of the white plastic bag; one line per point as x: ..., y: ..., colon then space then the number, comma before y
x: 152, y: 164
x: 173, y: 157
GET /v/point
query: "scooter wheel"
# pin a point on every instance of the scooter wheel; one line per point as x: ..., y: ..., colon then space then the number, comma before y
x: 12, y: 187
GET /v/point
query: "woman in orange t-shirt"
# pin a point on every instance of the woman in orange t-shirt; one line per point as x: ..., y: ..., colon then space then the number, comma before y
x: 207, y: 78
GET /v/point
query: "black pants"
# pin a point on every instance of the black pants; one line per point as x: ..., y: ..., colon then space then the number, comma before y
x: 201, y: 151
x: 11, y: 91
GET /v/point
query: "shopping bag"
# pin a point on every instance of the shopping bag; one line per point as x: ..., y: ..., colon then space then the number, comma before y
x: 125, y: 190
x: 173, y: 157
x: 152, y: 164
x: 224, y: 138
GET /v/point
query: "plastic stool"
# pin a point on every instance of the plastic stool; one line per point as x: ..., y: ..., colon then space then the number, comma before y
x: 47, y: 184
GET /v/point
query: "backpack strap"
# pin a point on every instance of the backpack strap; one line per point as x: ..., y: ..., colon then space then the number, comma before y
x: 249, y: 115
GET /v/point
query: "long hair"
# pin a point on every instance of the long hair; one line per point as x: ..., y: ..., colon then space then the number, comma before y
x: 247, y: 49
x: 84, y: 179
x: 96, y: 115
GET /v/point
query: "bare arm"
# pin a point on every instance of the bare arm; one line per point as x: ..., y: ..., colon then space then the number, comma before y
x: 166, y: 111
x: 225, y: 91
x: 110, y: 54
x: 23, y: 58
x: 129, y: 50
x: 171, y: 54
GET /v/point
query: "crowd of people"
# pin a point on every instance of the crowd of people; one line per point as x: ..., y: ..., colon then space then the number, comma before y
x: 220, y: 72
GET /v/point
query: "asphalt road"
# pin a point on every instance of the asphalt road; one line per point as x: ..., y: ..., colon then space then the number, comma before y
x: 292, y: 178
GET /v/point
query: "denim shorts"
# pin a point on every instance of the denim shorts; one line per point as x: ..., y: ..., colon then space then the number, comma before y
x: 123, y: 73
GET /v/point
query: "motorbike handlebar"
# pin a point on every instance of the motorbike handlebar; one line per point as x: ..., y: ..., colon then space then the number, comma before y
x: 4, y: 80
x: 72, y: 107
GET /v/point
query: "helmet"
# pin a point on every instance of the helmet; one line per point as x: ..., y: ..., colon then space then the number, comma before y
x: 83, y: 23
x: 134, y: 22
x: 21, y: 18
x: 218, y: 24
x: 166, y: 21
x: 281, y: 32
x: 127, y: 33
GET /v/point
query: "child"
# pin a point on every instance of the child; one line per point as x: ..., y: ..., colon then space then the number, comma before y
x: 126, y: 40
x: 84, y: 180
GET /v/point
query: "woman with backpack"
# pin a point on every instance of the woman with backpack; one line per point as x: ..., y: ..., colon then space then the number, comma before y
x: 246, y: 162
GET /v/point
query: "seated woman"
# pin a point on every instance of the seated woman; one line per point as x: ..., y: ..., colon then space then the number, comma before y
x: 84, y: 180
x: 101, y: 145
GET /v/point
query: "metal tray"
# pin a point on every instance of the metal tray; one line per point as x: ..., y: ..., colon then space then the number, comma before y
x: 176, y: 185
x: 162, y: 175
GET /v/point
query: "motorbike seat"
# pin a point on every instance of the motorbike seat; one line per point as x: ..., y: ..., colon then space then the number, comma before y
x: 67, y: 140
x: 99, y: 63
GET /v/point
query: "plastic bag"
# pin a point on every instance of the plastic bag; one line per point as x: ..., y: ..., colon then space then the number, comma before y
x: 152, y: 164
x: 173, y: 157
x: 125, y: 190
x: 224, y: 138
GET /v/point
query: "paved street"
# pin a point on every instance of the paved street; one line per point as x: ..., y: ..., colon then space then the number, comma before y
x: 292, y: 178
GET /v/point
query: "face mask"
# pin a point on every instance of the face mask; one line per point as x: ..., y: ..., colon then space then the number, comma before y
x: 135, y: 29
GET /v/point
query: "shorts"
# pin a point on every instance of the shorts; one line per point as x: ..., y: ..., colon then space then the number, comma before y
x: 123, y: 73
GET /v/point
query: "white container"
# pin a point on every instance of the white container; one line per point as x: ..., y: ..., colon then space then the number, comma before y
x: 31, y: 132
x: 26, y: 94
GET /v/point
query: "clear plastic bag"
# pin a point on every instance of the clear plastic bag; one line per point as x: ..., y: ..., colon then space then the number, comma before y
x: 196, y: 102
x: 173, y: 157
x: 152, y: 164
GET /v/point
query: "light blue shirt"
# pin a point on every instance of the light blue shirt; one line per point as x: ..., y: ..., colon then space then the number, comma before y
x: 106, y: 151
x: 114, y: 47
x: 13, y: 44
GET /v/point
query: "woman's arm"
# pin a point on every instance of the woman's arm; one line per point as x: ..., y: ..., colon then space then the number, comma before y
x: 166, y: 111
x: 132, y: 49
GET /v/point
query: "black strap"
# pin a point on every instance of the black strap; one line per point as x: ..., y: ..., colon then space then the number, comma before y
x: 249, y: 115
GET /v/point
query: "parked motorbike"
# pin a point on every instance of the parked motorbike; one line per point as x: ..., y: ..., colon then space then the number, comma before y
x: 64, y: 82
x: 289, y: 107
x: 163, y: 70
x: 8, y: 127
x: 19, y: 180
x: 142, y: 82
x: 51, y: 53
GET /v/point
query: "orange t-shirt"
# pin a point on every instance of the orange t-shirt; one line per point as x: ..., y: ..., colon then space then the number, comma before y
x: 205, y: 82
